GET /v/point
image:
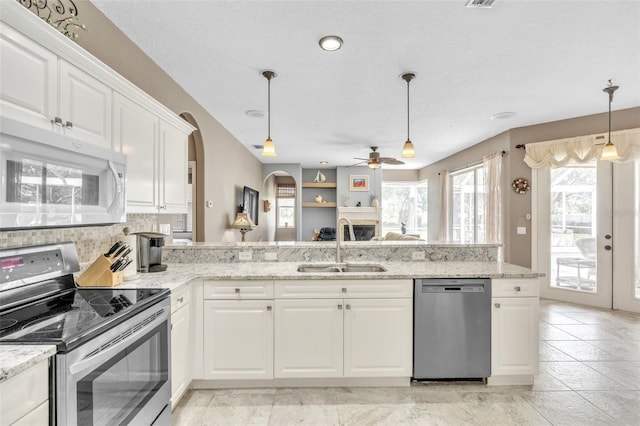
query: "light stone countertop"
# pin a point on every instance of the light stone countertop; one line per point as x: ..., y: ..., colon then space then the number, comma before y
x: 15, y: 359
x: 179, y: 274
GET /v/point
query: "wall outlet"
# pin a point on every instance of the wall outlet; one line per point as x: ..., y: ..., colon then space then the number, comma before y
x: 270, y: 255
x: 521, y: 230
x: 417, y: 255
x: 245, y: 255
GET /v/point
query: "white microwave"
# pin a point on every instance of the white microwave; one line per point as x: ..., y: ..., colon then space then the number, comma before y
x: 50, y: 180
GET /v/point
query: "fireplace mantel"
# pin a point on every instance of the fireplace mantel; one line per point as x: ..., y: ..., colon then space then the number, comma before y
x: 359, y: 216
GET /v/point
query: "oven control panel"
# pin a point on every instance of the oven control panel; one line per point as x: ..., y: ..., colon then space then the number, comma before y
x: 20, y: 266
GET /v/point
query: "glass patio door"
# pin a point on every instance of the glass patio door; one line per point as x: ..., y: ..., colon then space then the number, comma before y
x: 588, y: 234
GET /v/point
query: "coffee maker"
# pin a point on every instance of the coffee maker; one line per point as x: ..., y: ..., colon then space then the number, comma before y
x: 150, y: 252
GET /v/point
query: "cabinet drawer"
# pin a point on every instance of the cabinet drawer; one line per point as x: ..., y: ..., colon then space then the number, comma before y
x: 180, y: 297
x: 525, y: 287
x: 347, y: 289
x: 23, y: 393
x: 238, y: 290
x: 39, y: 416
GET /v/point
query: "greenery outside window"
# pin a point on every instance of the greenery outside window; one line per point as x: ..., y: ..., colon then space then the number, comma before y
x: 286, y: 205
x: 405, y: 203
x: 468, y: 205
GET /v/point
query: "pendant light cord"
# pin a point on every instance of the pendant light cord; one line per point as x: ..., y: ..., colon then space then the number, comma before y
x: 268, y: 107
x: 408, y: 138
x: 610, y: 100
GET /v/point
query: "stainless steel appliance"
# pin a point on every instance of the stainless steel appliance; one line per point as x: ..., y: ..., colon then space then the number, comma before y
x: 112, y: 365
x: 452, y: 329
x: 150, y: 252
x: 51, y: 180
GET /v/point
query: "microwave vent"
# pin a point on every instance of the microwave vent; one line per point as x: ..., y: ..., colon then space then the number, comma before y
x: 480, y: 3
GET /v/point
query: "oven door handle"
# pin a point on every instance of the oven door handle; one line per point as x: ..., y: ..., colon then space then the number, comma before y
x: 101, y: 356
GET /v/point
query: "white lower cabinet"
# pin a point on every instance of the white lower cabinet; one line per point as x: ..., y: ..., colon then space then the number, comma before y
x: 180, y: 344
x: 238, y: 342
x: 361, y: 334
x: 24, y: 398
x: 309, y: 338
x: 378, y: 337
x: 514, y: 332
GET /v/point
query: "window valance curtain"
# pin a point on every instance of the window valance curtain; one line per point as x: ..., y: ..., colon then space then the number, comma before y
x: 286, y: 190
x: 582, y: 149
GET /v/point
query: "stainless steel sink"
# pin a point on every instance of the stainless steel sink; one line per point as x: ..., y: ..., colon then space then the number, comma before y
x: 340, y: 267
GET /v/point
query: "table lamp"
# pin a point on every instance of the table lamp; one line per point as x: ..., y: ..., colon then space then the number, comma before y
x: 243, y: 223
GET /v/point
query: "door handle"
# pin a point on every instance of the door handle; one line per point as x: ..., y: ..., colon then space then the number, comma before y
x: 607, y: 247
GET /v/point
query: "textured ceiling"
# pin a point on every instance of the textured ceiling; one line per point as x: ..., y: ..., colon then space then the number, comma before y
x: 544, y: 60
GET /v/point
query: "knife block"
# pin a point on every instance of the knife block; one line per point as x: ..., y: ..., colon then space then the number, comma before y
x: 99, y: 274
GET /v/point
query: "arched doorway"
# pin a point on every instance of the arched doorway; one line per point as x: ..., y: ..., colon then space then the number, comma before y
x: 280, y: 206
x: 196, y: 178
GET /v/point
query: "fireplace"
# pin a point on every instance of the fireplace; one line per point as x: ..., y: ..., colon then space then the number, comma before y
x: 365, y: 220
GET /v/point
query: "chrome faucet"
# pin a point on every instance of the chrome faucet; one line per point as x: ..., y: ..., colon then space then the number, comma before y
x: 339, y: 232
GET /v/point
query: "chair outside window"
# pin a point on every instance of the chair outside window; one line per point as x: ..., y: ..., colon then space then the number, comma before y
x: 579, y: 272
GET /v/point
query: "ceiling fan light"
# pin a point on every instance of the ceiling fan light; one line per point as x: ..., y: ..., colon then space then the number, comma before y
x: 373, y: 164
x: 269, y: 148
x: 407, y: 150
x: 609, y: 152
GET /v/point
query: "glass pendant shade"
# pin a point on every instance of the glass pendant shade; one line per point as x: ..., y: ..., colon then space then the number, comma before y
x: 373, y: 164
x: 407, y: 150
x: 269, y: 148
x: 609, y: 152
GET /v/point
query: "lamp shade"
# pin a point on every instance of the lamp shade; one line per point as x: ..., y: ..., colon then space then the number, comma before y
x: 609, y: 152
x: 269, y: 148
x: 242, y: 221
x: 407, y: 150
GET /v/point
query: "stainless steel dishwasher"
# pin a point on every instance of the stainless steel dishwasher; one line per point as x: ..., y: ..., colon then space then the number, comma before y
x: 452, y: 328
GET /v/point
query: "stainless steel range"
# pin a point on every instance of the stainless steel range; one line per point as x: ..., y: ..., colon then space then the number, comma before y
x: 112, y: 366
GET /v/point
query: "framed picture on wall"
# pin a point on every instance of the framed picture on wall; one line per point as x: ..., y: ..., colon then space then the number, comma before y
x: 250, y: 203
x: 358, y: 182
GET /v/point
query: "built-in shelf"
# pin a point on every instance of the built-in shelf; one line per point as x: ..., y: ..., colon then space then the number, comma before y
x: 314, y: 204
x: 319, y: 185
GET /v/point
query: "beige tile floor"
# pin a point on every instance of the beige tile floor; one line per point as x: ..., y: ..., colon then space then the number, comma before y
x: 589, y: 375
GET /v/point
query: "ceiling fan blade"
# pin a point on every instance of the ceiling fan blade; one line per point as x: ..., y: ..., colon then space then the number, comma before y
x: 363, y: 159
x: 389, y: 160
x: 357, y: 164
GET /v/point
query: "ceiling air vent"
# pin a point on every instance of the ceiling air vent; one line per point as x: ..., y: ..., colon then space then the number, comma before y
x: 480, y: 3
x: 257, y: 146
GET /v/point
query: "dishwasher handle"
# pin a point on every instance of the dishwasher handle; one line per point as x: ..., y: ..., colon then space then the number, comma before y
x: 447, y: 288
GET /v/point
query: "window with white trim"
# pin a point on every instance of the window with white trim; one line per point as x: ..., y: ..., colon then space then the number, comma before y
x: 286, y: 205
x: 467, y: 205
x: 404, y: 208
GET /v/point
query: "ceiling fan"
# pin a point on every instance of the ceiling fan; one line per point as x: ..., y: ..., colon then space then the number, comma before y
x: 374, y: 161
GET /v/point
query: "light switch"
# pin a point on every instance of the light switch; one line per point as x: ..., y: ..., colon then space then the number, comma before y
x: 521, y: 230
x: 270, y: 255
x: 417, y: 255
x: 245, y: 255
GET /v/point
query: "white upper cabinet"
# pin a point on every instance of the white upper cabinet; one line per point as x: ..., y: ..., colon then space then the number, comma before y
x: 173, y: 169
x: 39, y: 88
x: 28, y: 79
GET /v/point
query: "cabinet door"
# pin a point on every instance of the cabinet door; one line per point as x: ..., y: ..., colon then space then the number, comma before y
x: 514, y: 336
x: 173, y: 169
x: 238, y: 339
x: 28, y: 79
x: 378, y: 337
x: 309, y: 338
x: 84, y: 106
x: 135, y: 133
x: 180, y: 350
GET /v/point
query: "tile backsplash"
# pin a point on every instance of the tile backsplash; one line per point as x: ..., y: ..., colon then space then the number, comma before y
x: 90, y: 240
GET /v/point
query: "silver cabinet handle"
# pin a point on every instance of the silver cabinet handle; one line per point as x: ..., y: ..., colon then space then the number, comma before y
x: 497, y: 305
x: 237, y: 291
x: 57, y: 121
x: 180, y: 299
x: 339, y: 306
x: 344, y: 289
x: 268, y: 308
x: 348, y: 306
x: 517, y: 288
x: 69, y: 125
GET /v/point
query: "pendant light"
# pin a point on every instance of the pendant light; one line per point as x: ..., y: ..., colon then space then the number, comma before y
x: 407, y: 149
x: 268, y: 149
x: 609, y: 151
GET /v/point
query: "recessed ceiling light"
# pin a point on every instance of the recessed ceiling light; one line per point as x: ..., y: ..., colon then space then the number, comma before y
x: 324, y: 162
x: 330, y: 43
x: 255, y: 113
x: 503, y: 115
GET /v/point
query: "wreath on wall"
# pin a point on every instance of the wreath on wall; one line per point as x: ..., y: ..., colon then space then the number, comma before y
x: 520, y: 185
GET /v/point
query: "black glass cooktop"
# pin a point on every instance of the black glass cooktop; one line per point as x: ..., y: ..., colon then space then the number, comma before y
x: 70, y: 318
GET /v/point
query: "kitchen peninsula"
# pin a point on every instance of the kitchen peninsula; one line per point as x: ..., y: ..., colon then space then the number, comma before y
x: 244, y: 316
